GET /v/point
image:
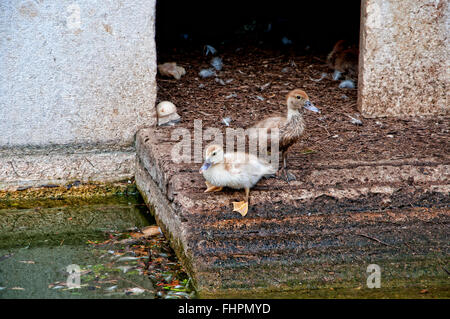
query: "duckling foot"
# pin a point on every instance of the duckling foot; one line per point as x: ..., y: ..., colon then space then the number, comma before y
x: 286, y: 175
x: 240, y: 207
x: 212, y: 188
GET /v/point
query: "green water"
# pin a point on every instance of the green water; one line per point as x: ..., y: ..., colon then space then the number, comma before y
x: 38, y: 244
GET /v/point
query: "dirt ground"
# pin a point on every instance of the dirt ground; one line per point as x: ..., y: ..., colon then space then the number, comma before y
x: 331, y: 134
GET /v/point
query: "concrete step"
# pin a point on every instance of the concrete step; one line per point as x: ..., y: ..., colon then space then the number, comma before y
x: 337, y: 217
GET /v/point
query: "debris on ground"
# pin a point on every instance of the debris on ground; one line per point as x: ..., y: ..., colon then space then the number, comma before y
x: 322, y: 76
x: 171, y: 69
x: 220, y: 81
x: 355, y: 120
x: 347, y: 84
x: 166, y: 113
x: 336, y: 75
x: 226, y: 121
x: 206, y: 73
x: 209, y: 49
x: 217, y: 63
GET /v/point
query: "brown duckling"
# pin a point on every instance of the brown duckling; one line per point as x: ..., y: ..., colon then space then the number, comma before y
x: 343, y: 59
x: 291, y: 127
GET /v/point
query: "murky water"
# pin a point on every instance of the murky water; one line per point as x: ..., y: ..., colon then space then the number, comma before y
x: 60, y: 250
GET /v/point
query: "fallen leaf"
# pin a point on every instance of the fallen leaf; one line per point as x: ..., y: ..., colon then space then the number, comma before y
x: 424, y: 291
x: 147, y: 232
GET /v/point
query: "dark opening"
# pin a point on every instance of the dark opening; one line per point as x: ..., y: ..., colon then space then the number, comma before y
x: 299, y: 26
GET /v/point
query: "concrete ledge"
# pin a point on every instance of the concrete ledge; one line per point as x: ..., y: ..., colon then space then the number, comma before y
x: 339, y: 217
x: 60, y: 165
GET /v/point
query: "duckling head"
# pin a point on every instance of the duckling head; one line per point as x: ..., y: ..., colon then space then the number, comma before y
x: 213, y: 155
x: 297, y: 100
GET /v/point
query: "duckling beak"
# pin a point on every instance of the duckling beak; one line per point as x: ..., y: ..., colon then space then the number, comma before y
x: 309, y: 106
x: 205, y: 166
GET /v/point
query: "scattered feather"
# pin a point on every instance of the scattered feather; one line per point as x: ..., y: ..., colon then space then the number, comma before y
x: 229, y: 81
x: 322, y: 76
x: 285, y: 69
x: 201, y: 86
x: 127, y: 258
x: 111, y: 288
x: 229, y: 96
x: 286, y: 41
x: 343, y: 96
x: 207, y: 73
x: 220, y: 81
x: 259, y: 97
x: 347, y: 84
x: 217, y: 63
x: 355, y: 120
x: 135, y: 291
x: 226, y: 121
x: 336, y: 75
x: 171, y: 69
x: 209, y: 49
x: 265, y: 86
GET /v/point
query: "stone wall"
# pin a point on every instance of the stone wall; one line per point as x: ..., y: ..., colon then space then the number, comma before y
x: 404, y: 63
x: 77, y: 80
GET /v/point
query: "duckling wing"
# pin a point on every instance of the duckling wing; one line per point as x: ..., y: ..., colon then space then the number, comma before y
x: 247, y: 164
x: 271, y: 122
x: 263, y: 129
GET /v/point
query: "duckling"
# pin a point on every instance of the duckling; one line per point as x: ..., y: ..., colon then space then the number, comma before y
x: 291, y: 127
x: 343, y: 59
x: 236, y: 170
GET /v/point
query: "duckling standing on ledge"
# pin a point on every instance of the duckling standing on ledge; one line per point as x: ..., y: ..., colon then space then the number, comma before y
x: 235, y: 170
x: 343, y: 59
x: 291, y: 128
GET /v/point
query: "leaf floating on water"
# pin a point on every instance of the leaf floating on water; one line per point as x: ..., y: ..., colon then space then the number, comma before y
x: 58, y: 287
x: 147, y: 232
x: 111, y: 288
x: 6, y: 257
x: 134, y: 291
x: 125, y: 268
x: 17, y: 288
x: 127, y: 258
x: 27, y: 261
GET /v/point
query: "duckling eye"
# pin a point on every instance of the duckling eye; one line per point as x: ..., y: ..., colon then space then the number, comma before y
x: 298, y: 97
x: 214, y: 154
